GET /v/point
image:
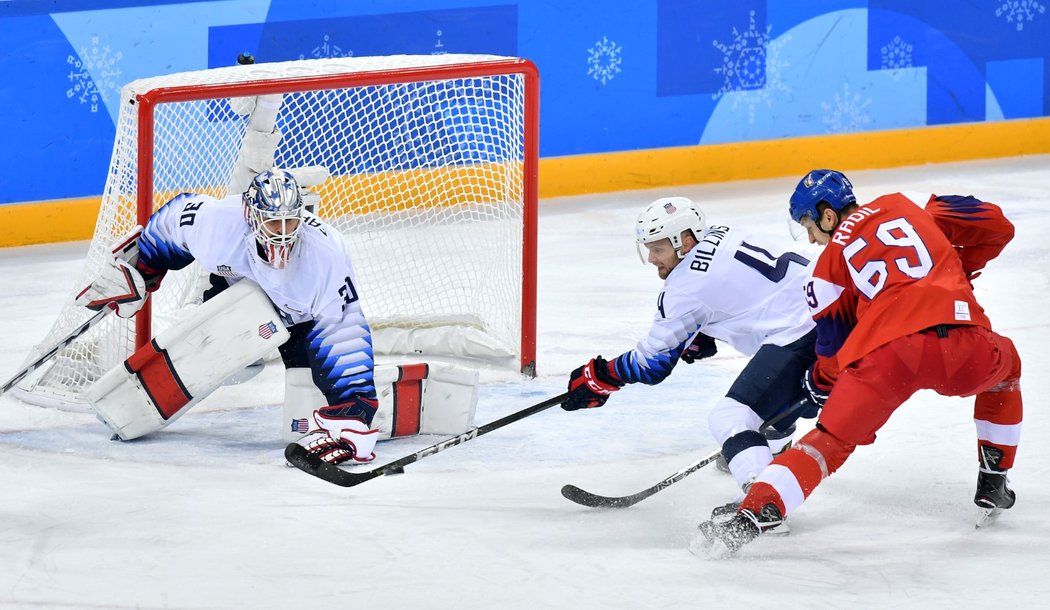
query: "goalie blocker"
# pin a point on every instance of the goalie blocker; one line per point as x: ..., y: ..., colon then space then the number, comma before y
x: 187, y: 362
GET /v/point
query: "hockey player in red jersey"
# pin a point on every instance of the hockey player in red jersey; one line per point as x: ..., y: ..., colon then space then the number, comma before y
x: 892, y: 298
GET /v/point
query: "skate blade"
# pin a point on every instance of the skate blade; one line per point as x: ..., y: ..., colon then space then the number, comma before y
x: 780, y: 530
x: 987, y: 516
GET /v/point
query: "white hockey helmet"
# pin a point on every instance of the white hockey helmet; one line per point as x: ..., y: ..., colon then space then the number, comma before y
x: 667, y: 218
x: 273, y: 207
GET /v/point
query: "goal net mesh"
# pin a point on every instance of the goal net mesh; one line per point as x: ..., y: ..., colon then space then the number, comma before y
x: 422, y: 176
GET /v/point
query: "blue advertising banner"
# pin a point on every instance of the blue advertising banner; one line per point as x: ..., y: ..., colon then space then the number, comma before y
x: 646, y: 75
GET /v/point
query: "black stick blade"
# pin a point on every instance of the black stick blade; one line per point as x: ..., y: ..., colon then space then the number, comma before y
x: 586, y: 498
x: 298, y: 456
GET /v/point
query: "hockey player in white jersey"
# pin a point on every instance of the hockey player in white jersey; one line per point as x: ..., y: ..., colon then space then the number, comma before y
x: 266, y: 236
x: 719, y: 284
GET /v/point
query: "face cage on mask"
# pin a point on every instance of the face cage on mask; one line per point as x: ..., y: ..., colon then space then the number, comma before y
x: 276, y: 247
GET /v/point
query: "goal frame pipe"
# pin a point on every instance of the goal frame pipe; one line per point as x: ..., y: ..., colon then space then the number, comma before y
x: 147, y: 103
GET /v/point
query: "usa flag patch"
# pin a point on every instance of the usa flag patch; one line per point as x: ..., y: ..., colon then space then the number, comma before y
x: 300, y: 425
x: 669, y: 208
x: 267, y: 330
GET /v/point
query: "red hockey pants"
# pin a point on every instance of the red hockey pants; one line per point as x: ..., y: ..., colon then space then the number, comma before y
x: 969, y: 360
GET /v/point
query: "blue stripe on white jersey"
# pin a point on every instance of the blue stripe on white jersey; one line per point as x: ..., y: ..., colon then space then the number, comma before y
x: 633, y: 367
x: 656, y: 356
x: 158, y: 246
x: 341, y: 356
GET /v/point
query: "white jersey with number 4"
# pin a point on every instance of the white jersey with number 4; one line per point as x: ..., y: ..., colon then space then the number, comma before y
x: 318, y: 285
x: 737, y: 288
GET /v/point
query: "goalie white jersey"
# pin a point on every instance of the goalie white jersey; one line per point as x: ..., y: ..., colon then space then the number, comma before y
x: 318, y: 286
x: 732, y: 287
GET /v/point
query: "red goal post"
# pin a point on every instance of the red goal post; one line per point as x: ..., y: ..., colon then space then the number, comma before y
x: 439, y: 152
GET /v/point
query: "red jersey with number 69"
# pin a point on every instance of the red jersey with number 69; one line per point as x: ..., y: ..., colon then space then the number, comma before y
x: 893, y: 268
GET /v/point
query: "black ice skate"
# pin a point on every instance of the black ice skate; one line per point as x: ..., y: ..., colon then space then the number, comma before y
x: 724, y: 513
x: 721, y: 540
x: 993, y: 494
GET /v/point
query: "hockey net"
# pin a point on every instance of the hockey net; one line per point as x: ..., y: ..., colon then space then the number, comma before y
x: 426, y: 164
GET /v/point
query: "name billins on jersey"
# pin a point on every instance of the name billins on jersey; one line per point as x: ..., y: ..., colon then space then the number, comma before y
x: 704, y: 252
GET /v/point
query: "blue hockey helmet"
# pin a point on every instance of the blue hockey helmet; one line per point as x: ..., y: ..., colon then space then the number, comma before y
x: 820, y: 185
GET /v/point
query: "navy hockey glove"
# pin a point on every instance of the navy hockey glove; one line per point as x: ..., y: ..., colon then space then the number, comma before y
x: 591, y: 384
x: 815, y: 393
x: 701, y: 347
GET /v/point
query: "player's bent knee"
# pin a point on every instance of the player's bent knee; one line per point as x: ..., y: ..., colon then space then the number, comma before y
x: 729, y: 417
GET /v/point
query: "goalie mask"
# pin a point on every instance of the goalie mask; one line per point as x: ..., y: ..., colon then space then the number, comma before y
x: 667, y: 218
x: 274, y: 208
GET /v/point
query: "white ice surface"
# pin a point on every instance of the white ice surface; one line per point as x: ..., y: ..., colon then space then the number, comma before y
x: 206, y: 515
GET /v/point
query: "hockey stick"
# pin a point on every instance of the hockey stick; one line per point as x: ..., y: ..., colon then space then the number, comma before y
x: 42, y: 360
x: 586, y: 498
x: 299, y: 457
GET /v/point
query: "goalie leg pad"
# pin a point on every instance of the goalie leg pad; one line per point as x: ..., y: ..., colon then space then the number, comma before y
x: 187, y: 362
x: 426, y: 398
x: 301, y: 399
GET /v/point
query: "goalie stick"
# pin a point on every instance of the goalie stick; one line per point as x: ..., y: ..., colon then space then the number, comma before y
x: 299, y: 457
x: 593, y: 500
x: 42, y: 360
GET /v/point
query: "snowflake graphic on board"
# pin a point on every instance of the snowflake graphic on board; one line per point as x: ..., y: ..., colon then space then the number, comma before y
x: 846, y: 113
x: 326, y: 49
x: 604, y: 60
x: 752, y: 68
x: 100, y: 61
x: 1019, y: 11
x: 896, y: 55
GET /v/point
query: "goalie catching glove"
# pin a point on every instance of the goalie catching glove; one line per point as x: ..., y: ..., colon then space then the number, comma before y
x: 343, y: 432
x: 122, y: 285
x: 591, y: 384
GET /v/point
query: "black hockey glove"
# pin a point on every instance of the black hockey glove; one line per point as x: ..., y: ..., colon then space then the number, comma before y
x: 815, y: 393
x: 701, y: 347
x: 591, y: 384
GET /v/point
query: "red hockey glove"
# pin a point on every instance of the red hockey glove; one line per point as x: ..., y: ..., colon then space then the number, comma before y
x: 591, y: 384
x: 701, y: 347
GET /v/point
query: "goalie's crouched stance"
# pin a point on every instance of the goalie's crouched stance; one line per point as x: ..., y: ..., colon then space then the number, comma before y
x: 278, y: 276
x: 185, y: 363
x: 188, y: 361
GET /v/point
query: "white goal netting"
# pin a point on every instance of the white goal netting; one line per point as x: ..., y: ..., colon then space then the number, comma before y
x: 420, y: 162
